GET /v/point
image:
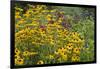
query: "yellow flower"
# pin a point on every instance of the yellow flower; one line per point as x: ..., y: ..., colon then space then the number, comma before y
x: 20, y: 61
x: 61, y: 50
x: 76, y: 50
x: 26, y: 53
x: 75, y: 58
x: 17, y: 52
x: 69, y: 46
x: 40, y: 62
x: 56, y: 52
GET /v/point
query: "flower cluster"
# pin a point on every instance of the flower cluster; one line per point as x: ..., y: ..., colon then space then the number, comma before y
x: 43, y: 36
x: 20, y: 56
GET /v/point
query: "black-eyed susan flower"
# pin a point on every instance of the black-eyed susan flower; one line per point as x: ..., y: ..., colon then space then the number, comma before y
x: 26, y: 53
x: 40, y: 62
x: 69, y: 46
x: 76, y: 50
x: 17, y: 52
x: 20, y: 61
x: 75, y: 58
x: 56, y: 52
